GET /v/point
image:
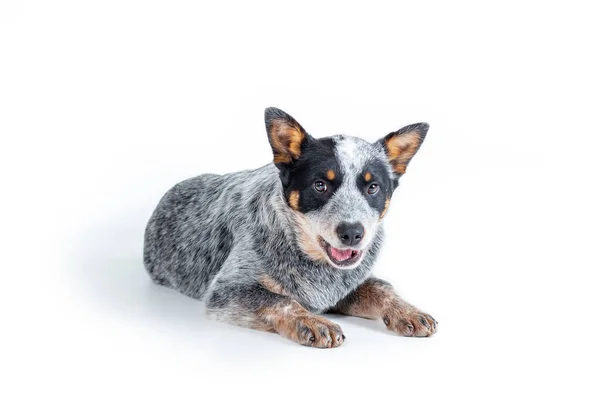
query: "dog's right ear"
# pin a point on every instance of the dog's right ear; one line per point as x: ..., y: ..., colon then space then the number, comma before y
x: 286, y: 136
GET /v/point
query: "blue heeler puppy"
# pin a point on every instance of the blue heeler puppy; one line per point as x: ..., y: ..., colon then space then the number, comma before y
x: 272, y: 248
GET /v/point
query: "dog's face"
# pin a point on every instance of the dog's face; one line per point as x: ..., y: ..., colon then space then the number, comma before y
x: 339, y: 187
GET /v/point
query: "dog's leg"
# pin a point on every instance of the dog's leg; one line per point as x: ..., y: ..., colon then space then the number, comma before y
x: 376, y: 298
x: 252, y: 305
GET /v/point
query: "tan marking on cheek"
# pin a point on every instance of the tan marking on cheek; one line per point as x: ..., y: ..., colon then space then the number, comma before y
x: 368, y: 177
x: 385, y: 208
x: 331, y: 175
x: 294, y: 200
x: 307, y: 242
x: 310, y: 248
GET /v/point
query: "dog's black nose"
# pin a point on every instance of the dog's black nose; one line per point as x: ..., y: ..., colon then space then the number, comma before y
x: 350, y: 234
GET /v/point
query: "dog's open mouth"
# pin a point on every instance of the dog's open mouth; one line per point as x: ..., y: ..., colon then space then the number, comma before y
x: 341, y: 258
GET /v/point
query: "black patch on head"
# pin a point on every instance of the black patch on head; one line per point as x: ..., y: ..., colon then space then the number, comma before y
x: 318, y: 157
x: 379, y: 176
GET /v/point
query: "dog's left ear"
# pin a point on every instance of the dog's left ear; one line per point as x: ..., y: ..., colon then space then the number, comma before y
x: 402, y: 145
x: 286, y: 136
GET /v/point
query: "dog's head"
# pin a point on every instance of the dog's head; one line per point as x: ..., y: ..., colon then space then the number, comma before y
x: 338, y: 187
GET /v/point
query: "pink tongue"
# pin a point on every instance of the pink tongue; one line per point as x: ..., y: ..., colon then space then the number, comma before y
x: 341, y: 255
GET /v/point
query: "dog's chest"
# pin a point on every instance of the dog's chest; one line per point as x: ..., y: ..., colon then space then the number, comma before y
x: 319, y: 288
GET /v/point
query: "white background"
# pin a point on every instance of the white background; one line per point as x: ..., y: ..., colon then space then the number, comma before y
x: 494, y: 230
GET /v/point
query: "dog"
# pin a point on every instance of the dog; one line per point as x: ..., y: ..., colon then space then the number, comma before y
x: 274, y: 248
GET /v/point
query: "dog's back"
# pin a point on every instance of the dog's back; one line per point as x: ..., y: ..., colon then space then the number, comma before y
x: 192, y: 230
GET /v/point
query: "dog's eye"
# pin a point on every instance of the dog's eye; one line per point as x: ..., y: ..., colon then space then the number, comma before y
x: 320, y: 186
x: 374, y: 188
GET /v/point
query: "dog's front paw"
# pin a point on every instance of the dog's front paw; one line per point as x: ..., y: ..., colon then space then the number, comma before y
x: 410, y: 322
x: 317, y: 332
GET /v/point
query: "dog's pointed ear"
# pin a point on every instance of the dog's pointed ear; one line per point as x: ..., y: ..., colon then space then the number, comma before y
x: 401, y: 146
x: 286, y: 136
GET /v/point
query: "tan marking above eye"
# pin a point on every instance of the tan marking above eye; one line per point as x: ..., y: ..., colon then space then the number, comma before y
x: 368, y: 177
x: 331, y: 174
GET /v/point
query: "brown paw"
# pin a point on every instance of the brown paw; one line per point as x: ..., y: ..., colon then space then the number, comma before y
x: 317, y: 332
x: 410, y: 323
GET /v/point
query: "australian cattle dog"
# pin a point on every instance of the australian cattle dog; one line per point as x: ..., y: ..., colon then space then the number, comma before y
x: 276, y: 247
